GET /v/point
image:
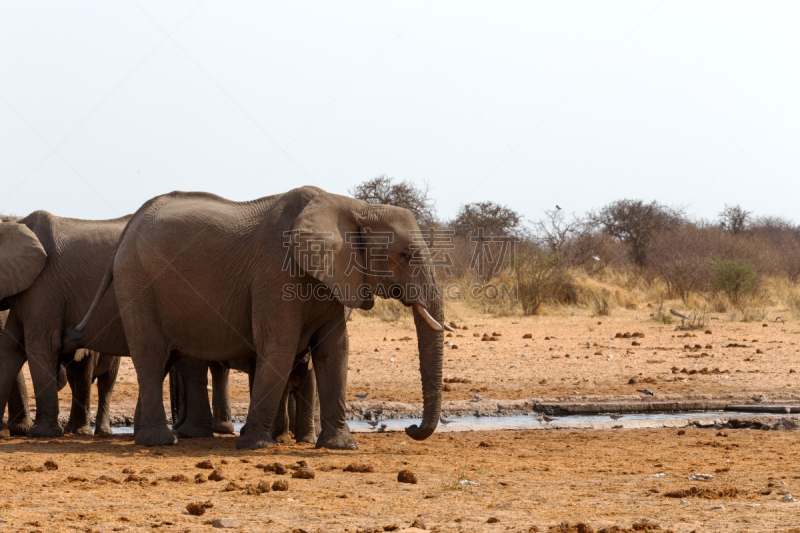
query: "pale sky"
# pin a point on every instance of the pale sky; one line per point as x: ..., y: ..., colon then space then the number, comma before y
x: 106, y: 104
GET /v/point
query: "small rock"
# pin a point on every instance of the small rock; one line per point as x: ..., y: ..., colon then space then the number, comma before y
x: 492, y: 520
x: 407, y: 476
x: 359, y: 468
x: 280, y: 485
x: 718, y: 507
x: 206, y: 465
x: 419, y: 524
x: 199, y: 508
x: 50, y: 465
x: 223, y: 522
x: 216, y: 475
x: 304, y: 472
x: 787, y: 498
x: 701, y: 477
x: 527, y: 336
x: 681, y: 432
x: 684, y: 502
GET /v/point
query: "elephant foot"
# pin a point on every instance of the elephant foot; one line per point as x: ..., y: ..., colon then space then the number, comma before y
x: 83, y: 430
x: 20, y: 428
x: 310, y: 438
x: 155, y: 436
x: 188, y: 430
x: 254, y: 440
x: 45, y: 430
x: 283, y: 438
x: 337, y: 440
x: 224, y: 427
x: 103, y: 431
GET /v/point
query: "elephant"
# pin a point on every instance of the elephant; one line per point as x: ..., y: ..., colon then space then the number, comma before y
x: 221, y: 280
x: 82, y: 369
x: 49, y: 270
x: 74, y: 373
x: 298, y: 412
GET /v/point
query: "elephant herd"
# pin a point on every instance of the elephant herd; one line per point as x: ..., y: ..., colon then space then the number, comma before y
x: 193, y: 282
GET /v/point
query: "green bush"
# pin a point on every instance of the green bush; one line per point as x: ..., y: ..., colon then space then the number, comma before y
x: 541, y: 278
x: 735, y: 277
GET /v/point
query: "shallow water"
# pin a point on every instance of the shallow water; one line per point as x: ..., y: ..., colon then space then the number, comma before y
x: 525, y: 421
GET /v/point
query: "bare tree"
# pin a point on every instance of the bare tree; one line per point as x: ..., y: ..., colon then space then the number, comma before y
x: 734, y: 219
x: 636, y: 223
x: 556, y: 231
x: 383, y: 190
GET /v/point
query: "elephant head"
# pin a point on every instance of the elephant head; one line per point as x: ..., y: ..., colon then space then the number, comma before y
x: 22, y: 258
x: 360, y: 251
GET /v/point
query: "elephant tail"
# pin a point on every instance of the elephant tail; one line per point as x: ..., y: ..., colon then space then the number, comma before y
x: 76, y: 333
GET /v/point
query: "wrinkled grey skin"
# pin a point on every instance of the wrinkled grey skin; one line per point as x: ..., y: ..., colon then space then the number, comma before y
x: 79, y: 375
x: 188, y: 386
x: 78, y: 251
x: 93, y: 366
x: 39, y: 314
x: 298, y: 411
x: 208, y: 276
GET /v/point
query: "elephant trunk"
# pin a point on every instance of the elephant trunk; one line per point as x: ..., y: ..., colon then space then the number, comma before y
x: 431, y: 352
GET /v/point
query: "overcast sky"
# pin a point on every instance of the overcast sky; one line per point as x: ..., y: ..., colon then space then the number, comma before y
x: 106, y: 104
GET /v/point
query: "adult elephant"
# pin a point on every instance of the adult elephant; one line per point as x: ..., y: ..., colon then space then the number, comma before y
x: 49, y: 271
x: 48, y: 268
x: 79, y: 370
x: 220, y: 280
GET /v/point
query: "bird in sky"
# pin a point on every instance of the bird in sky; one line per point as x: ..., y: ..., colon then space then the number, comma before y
x: 596, y: 258
x: 646, y: 392
x: 444, y: 420
x: 361, y: 396
x: 558, y: 207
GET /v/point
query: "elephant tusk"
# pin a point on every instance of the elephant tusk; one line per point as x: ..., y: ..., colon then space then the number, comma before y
x: 448, y: 327
x: 428, y: 318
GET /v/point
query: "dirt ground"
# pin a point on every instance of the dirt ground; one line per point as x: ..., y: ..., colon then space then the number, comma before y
x: 524, y: 479
x: 600, y: 478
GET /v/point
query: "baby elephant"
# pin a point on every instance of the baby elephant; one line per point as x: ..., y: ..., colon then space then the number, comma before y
x: 84, y: 368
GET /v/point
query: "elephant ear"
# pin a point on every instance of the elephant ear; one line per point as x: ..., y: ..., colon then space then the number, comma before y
x: 22, y: 257
x: 325, y: 245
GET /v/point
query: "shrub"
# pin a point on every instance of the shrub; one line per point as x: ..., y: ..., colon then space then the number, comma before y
x: 735, y: 277
x: 541, y: 278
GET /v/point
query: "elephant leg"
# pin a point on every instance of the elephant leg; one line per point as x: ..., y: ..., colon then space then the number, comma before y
x: 292, y: 410
x: 12, y: 357
x: 317, y: 423
x: 221, y: 399
x: 197, y: 422
x: 305, y: 399
x: 271, y: 372
x: 280, y: 426
x: 177, y: 397
x: 44, y: 374
x: 105, y: 387
x: 79, y: 374
x: 152, y: 361
x: 19, y: 418
x: 329, y: 352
